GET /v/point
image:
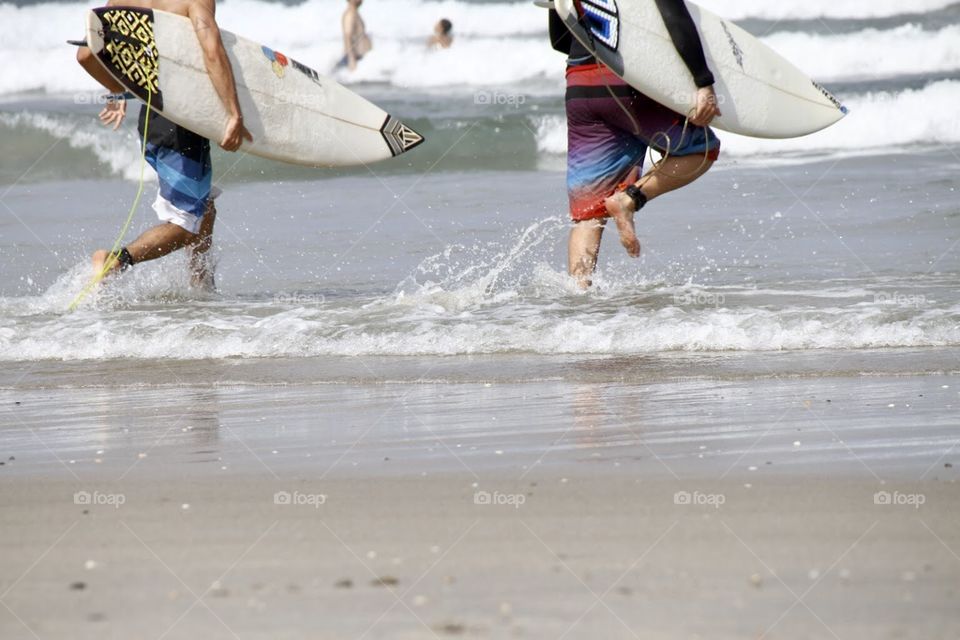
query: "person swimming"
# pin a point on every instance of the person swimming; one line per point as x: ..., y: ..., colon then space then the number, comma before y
x: 442, y: 36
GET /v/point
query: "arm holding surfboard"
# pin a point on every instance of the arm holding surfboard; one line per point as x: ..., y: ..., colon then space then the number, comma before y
x: 201, y: 14
x: 221, y: 74
x: 683, y: 33
x: 686, y: 40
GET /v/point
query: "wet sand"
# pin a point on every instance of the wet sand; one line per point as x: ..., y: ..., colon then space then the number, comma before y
x: 416, y: 557
x: 815, y: 507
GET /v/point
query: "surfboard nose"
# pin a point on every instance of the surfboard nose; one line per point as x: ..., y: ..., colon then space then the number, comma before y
x: 398, y: 136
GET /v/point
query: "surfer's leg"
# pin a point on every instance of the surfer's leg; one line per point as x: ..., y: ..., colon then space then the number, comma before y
x: 153, y: 243
x: 601, y: 158
x: 201, y: 269
x: 672, y: 174
x: 583, y: 248
x: 690, y: 152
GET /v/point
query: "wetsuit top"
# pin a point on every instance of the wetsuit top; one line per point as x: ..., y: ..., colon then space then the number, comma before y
x: 679, y: 24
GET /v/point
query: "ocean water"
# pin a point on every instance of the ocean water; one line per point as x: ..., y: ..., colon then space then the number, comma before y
x: 841, y: 243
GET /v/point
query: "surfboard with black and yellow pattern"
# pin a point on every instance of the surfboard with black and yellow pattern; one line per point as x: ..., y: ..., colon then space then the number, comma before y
x: 129, y: 51
x: 294, y: 114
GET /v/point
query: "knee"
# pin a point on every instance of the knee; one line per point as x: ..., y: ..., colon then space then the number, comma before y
x: 192, y: 240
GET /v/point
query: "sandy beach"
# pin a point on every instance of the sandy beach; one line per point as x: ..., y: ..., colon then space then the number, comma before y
x: 578, y: 556
x: 810, y: 507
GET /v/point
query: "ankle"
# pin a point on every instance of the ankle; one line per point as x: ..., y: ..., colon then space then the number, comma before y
x: 636, y: 196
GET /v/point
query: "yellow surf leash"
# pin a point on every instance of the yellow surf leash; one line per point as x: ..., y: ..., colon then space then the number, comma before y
x: 112, y: 256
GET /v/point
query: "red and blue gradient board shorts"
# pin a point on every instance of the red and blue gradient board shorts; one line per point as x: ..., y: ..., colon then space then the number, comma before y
x: 610, y: 126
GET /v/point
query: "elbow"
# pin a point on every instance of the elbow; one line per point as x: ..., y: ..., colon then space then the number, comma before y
x: 84, y: 56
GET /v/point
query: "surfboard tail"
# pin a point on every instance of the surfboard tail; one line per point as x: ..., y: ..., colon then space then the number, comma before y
x: 398, y: 136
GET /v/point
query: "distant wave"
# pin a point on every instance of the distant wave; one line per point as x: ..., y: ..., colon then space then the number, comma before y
x: 496, y: 44
x: 876, y: 123
x: 811, y: 9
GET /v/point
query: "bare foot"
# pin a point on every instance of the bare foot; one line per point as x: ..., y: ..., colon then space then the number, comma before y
x: 620, y: 208
x: 99, y: 260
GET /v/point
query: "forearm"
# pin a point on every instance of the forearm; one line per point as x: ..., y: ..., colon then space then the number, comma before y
x: 683, y: 33
x: 217, y: 63
x: 221, y: 74
x: 89, y: 63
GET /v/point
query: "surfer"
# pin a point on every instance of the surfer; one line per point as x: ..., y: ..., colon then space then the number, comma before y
x: 181, y: 158
x: 610, y: 126
x: 356, y: 42
x: 442, y: 36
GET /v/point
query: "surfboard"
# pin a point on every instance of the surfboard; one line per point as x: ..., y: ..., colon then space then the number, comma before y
x: 295, y: 114
x: 760, y: 93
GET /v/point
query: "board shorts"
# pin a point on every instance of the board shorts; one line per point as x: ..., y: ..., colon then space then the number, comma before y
x: 181, y: 159
x: 608, y: 137
x: 344, y: 62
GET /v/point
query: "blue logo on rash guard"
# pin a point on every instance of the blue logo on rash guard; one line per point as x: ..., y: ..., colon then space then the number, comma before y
x: 603, y: 18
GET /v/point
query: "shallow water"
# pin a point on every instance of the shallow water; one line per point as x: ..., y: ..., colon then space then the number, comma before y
x: 858, y: 254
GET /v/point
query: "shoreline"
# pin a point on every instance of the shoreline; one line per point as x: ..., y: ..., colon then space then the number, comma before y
x: 873, y: 427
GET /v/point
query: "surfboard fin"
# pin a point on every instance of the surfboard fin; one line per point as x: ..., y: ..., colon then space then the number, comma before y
x: 77, y: 43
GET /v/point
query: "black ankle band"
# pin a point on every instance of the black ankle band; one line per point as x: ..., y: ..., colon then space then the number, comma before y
x: 124, y: 259
x: 637, y: 196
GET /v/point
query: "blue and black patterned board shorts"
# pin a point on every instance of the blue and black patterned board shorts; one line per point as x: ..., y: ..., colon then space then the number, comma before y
x: 181, y: 159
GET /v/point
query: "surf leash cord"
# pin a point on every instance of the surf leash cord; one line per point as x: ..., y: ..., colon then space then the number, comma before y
x: 120, y: 255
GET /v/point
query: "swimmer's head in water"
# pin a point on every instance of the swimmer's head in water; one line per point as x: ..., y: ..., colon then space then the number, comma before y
x: 444, y: 27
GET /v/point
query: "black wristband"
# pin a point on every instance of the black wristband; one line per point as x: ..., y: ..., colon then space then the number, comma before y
x: 639, y: 199
x: 124, y: 259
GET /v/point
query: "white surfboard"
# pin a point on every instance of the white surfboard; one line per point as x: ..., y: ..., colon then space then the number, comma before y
x: 760, y: 93
x: 294, y: 114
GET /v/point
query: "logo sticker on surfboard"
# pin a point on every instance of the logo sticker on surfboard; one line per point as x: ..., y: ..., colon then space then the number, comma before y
x: 398, y: 136
x: 278, y: 60
x: 603, y: 19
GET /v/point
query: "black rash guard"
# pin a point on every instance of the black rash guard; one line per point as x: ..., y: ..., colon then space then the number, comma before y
x: 680, y: 26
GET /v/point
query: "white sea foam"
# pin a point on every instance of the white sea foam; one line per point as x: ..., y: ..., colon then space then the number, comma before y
x: 119, y: 151
x: 496, y: 44
x: 810, y: 9
x: 906, y: 50
x: 468, y: 302
x: 423, y: 327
